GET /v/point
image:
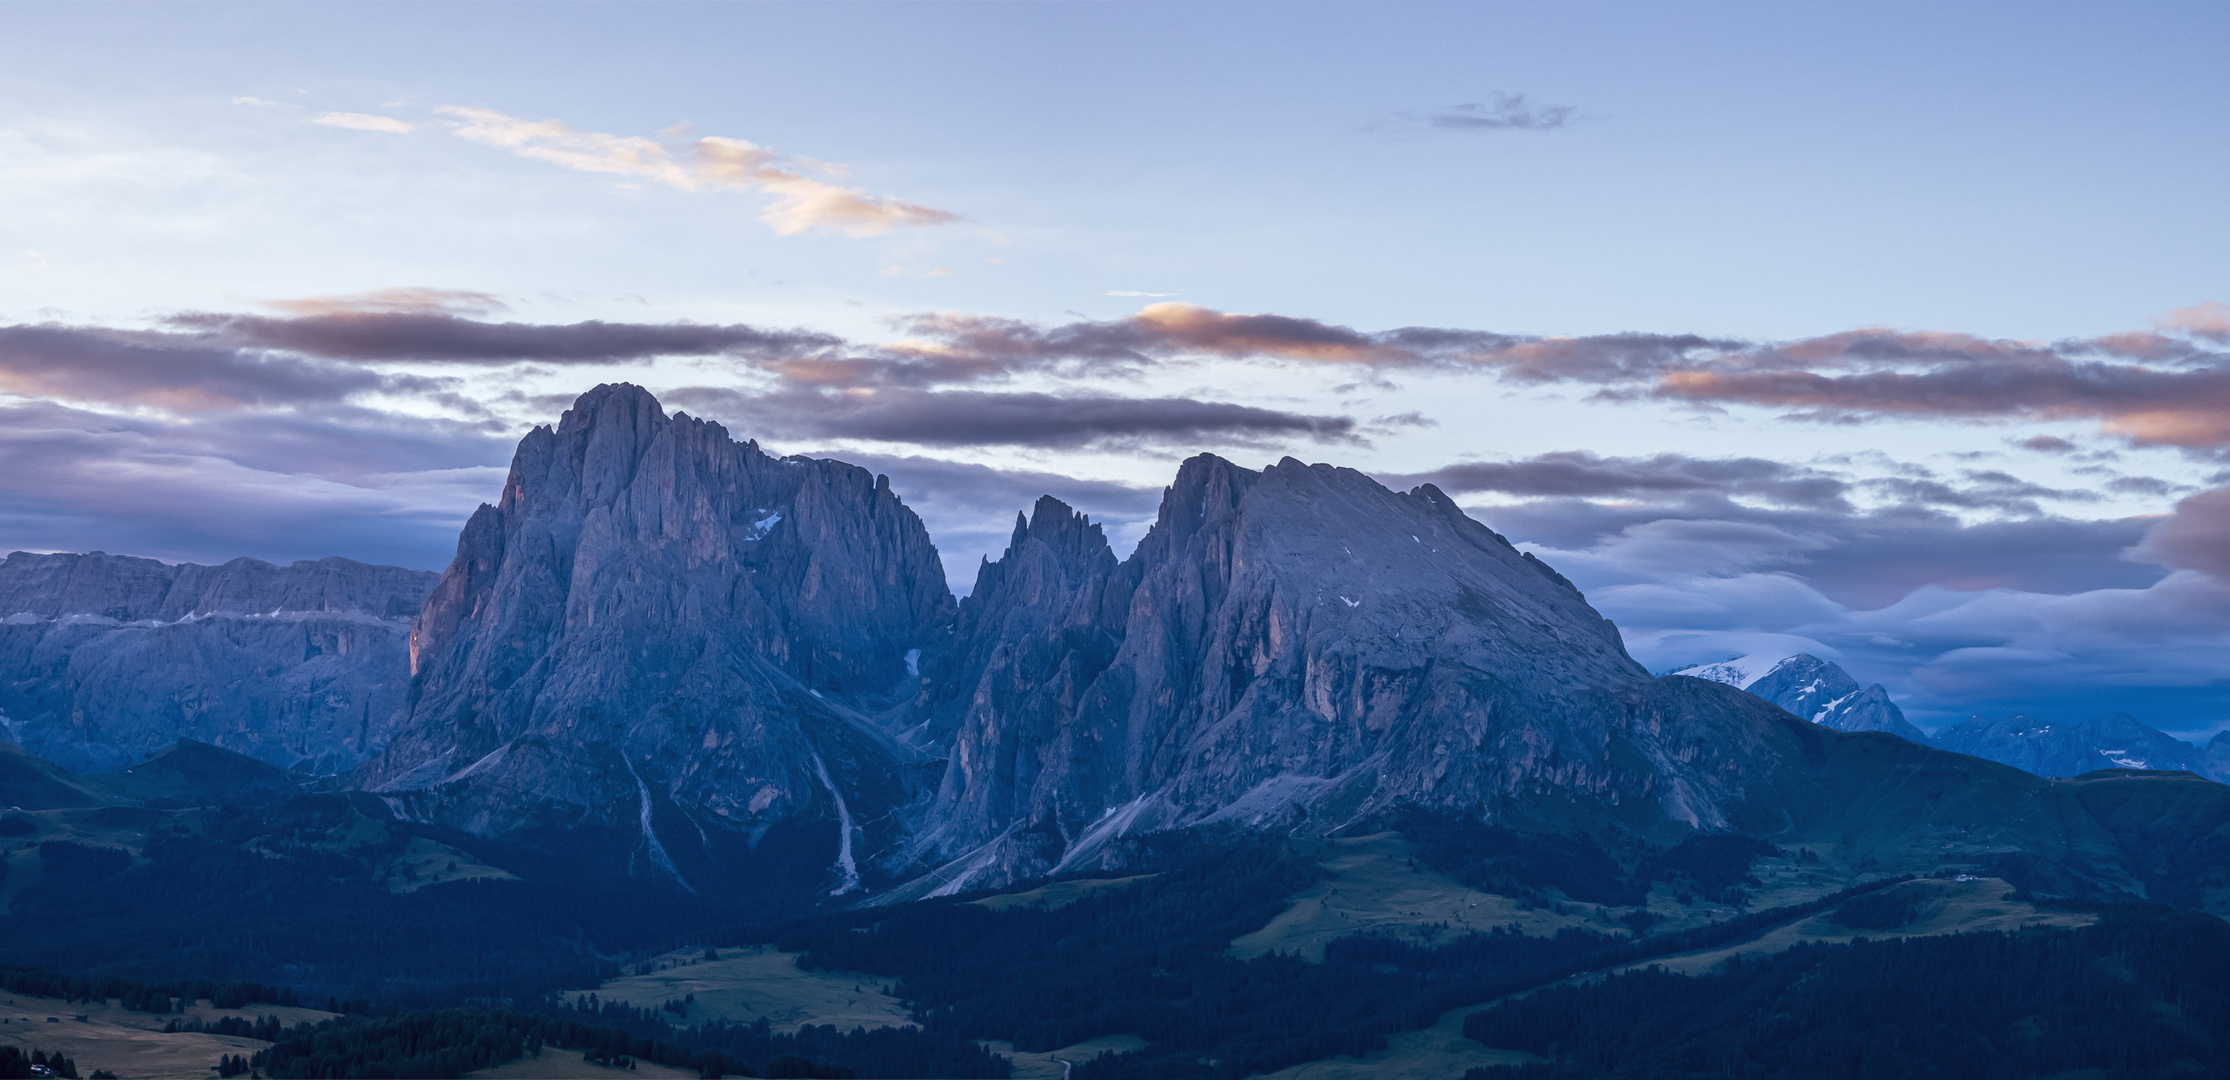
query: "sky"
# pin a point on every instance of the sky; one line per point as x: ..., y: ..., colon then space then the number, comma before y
x: 1893, y: 333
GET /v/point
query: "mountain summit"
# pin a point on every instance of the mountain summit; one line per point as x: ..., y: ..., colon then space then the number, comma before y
x: 670, y: 635
x: 1302, y: 647
x: 1816, y: 690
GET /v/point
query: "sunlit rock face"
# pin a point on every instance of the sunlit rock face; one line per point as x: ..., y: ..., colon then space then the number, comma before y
x: 1297, y: 648
x: 663, y: 629
x: 105, y: 659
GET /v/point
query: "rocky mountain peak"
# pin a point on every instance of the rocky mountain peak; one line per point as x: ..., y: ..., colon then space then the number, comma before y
x: 1053, y: 549
x: 1815, y: 689
x: 654, y: 614
x: 1298, y: 643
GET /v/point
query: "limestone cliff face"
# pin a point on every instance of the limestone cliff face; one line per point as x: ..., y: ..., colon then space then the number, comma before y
x: 658, y: 627
x: 1297, y: 648
x: 105, y: 659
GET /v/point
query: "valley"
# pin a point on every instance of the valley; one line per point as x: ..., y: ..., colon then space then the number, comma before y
x: 1316, y: 777
x: 1372, y: 886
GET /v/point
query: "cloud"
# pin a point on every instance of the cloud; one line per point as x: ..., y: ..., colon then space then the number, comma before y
x: 1945, y: 655
x: 1985, y: 489
x: 425, y: 324
x: 1862, y: 558
x: 1580, y: 474
x: 2150, y: 388
x: 802, y: 202
x: 365, y: 122
x: 2210, y: 320
x: 1172, y: 330
x: 2052, y: 616
x: 412, y: 299
x: 1709, y: 483
x: 168, y: 371
x: 954, y: 418
x: 1701, y: 559
x: 1501, y: 112
x: 2047, y: 444
x: 2148, y: 406
x: 376, y: 488
x: 399, y: 334
x: 2195, y: 537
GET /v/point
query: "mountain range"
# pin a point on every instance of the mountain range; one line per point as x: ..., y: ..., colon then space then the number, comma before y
x: 2071, y: 748
x: 105, y: 659
x: 1825, y: 694
x: 665, y: 654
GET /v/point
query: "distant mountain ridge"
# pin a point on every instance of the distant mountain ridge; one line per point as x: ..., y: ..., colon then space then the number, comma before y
x: 1814, y: 689
x: 105, y: 659
x: 2064, y: 748
x: 1822, y: 692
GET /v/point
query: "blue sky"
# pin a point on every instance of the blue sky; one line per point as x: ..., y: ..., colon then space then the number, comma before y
x: 1924, y: 344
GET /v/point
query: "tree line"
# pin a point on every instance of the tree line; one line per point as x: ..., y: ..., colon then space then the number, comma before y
x: 1151, y: 958
x: 442, y: 1043
x: 17, y: 1065
x: 142, y: 995
x: 2143, y: 993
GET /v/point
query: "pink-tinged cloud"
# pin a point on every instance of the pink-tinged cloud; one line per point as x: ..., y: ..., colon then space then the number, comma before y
x: 2210, y: 320
x: 2166, y: 388
x: 365, y: 122
x: 801, y: 202
x: 2148, y: 406
x: 1190, y: 328
x: 405, y: 299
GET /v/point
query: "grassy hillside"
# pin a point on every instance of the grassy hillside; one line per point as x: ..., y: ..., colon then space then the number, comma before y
x: 131, y: 1043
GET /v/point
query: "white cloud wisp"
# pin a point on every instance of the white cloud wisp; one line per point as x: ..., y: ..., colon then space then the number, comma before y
x: 801, y: 203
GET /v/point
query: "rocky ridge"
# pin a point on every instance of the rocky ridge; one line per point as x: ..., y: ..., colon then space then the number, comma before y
x: 1301, y: 647
x: 105, y: 659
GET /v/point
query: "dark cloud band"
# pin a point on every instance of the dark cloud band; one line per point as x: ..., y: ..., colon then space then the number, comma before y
x: 443, y: 338
x: 949, y: 418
